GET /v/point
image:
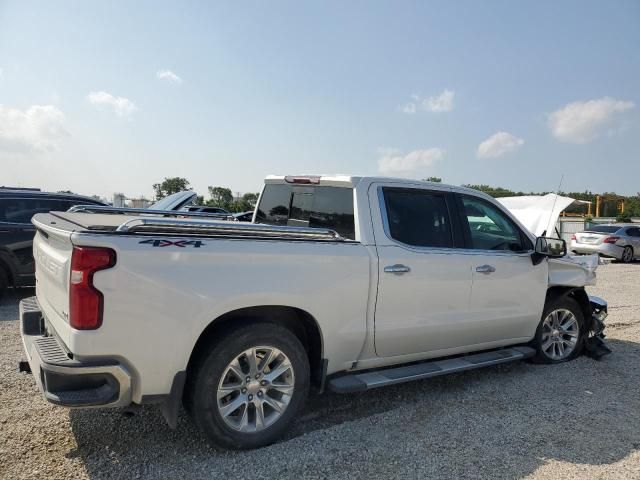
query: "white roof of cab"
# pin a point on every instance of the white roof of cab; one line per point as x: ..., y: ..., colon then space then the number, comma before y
x: 351, y: 181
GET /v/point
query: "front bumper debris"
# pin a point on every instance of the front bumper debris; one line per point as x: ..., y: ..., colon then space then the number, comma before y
x: 594, y: 346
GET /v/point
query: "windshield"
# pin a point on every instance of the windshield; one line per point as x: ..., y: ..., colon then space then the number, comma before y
x: 173, y: 202
x: 604, y: 229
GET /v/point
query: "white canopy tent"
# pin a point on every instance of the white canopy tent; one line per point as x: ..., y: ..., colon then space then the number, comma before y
x: 539, y: 213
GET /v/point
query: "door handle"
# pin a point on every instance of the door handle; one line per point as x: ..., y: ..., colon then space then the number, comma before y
x: 397, y: 268
x: 485, y: 269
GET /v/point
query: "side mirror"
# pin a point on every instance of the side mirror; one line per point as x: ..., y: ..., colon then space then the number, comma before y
x: 548, y: 247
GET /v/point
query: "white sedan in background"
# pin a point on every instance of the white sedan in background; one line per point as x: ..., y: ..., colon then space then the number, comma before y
x: 619, y: 241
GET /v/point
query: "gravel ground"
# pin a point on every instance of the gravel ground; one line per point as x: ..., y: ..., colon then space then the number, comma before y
x: 576, y: 420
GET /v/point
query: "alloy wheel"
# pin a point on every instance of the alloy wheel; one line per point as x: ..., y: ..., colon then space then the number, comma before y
x: 255, y: 389
x: 560, y: 333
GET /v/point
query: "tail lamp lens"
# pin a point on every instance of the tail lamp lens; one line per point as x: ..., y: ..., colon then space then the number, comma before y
x: 85, y: 300
x: 611, y: 239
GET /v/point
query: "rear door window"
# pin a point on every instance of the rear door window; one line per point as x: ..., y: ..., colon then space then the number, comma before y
x: 418, y: 217
x: 308, y: 206
x: 20, y: 210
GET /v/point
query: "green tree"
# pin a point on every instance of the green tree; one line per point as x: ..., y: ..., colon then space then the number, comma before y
x: 433, y: 179
x: 169, y: 186
x: 247, y: 202
x: 495, y: 191
x: 220, y: 197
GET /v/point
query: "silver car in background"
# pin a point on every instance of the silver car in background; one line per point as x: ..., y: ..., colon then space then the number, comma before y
x: 619, y: 241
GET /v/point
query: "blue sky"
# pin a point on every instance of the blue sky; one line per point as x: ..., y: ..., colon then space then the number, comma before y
x: 504, y: 93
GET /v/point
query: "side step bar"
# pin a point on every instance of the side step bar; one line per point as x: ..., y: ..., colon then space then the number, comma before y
x: 359, y: 382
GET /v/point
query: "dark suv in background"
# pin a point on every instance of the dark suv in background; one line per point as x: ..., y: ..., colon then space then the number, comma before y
x: 17, y: 206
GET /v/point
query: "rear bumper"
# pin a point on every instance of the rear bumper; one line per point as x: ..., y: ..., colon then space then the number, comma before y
x: 63, y: 379
x: 606, y: 249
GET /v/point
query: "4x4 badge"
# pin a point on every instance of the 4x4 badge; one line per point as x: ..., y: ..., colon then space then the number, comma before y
x: 169, y: 243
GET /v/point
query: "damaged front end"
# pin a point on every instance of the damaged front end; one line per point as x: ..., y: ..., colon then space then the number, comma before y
x: 594, y: 345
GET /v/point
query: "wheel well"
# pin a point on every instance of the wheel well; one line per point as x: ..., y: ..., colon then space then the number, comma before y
x: 577, y: 293
x: 300, y: 323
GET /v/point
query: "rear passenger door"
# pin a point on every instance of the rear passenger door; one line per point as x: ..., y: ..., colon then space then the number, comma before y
x: 508, y: 291
x: 424, y: 281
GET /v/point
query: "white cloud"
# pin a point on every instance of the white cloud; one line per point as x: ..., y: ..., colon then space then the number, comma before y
x: 581, y: 122
x: 409, y: 108
x: 38, y: 129
x: 392, y: 162
x: 440, y: 103
x: 168, y: 76
x: 123, y: 107
x: 499, y: 144
x: 436, y: 104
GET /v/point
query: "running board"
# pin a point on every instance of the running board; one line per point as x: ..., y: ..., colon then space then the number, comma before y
x: 359, y: 382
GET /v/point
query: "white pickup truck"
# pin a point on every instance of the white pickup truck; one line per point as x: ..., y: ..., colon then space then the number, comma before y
x: 341, y: 283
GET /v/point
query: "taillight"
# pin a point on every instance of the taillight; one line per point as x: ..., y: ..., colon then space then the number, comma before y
x: 573, y: 237
x: 611, y: 240
x: 85, y: 301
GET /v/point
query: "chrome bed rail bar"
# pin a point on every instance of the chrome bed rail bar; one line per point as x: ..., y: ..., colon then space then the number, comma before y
x: 144, y: 211
x: 226, y: 229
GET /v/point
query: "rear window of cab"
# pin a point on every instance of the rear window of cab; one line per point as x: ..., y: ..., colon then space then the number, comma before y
x: 308, y: 206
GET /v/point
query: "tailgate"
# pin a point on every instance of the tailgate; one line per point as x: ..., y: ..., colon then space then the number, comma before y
x: 52, y: 250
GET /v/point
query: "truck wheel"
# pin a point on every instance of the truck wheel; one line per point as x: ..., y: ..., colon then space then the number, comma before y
x: 560, y: 334
x: 627, y: 255
x: 248, y: 388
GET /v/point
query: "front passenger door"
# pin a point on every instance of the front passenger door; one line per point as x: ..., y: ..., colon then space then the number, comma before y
x: 507, y: 291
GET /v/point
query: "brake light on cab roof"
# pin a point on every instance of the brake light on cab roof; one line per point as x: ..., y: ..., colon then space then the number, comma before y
x: 307, y: 180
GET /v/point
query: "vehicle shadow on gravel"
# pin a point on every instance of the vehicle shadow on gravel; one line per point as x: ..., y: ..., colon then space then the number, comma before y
x: 10, y: 301
x: 500, y: 422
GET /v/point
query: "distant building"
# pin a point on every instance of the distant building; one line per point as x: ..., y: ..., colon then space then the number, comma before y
x: 139, y: 202
x: 119, y: 200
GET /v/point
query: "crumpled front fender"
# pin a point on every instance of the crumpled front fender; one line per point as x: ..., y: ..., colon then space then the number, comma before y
x: 573, y: 271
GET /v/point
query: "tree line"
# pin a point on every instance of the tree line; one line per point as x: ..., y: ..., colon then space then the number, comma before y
x: 221, y: 197
x: 610, y: 205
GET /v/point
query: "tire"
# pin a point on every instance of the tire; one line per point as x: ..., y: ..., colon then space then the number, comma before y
x: 4, y: 282
x: 551, y: 344
x: 215, y: 388
x: 627, y: 255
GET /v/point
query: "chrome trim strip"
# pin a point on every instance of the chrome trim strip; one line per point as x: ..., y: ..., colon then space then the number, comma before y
x: 231, y: 229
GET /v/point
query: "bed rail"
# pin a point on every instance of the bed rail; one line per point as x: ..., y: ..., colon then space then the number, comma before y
x: 226, y: 229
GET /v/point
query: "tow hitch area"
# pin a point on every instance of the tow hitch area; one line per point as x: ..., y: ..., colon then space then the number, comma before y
x: 594, y: 345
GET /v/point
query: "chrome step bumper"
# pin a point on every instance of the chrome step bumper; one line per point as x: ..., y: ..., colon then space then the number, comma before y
x: 63, y: 379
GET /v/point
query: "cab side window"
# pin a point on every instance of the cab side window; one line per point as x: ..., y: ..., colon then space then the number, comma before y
x: 418, y: 217
x: 491, y: 229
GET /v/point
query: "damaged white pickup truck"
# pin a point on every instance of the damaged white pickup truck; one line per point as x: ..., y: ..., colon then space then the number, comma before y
x: 341, y: 283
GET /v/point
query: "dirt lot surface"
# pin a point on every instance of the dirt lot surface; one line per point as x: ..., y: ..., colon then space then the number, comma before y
x: 576, y: 420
